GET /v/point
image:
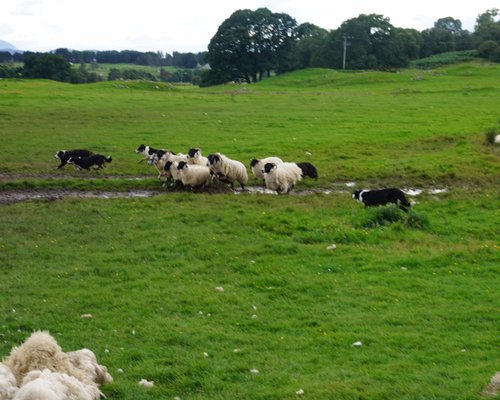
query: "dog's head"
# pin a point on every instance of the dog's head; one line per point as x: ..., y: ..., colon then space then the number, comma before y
x: 140, y: 149
x: 60, y: 154
x: 356, y: 194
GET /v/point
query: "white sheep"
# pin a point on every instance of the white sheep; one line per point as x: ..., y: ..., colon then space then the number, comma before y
x: 194, y: 175
x: 257, y: 165
x: 41, y: 351
x: 48, y: 385
x: 228, y: 170
x: 38, y: 352
x: 195, y: 158
x: 281, y: 177
x: 8, y: 384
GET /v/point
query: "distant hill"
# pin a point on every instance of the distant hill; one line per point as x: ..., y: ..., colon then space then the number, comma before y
x: 6, y: 46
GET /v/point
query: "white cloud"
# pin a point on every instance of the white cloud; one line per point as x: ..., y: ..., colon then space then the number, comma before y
x: 42, y: 25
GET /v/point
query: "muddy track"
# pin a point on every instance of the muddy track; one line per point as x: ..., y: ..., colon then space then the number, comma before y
x: 19, y: 195
x: 6, y: 177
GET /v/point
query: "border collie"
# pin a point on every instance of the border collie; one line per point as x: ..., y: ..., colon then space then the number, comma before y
x: 147, y: 151
x: 86, y: 162
x: 64, y: 155
x: 381, y: 197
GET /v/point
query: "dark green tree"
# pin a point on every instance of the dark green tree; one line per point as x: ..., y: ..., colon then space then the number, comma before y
x: 47, y: 66
x: 250, y: 44
x: 114, y: 74
x: 309, y: 48
x: 446, y: 35
x: 367, y: 41
x: 487, y: 35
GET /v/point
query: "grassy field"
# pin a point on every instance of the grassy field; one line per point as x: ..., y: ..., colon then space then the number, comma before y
x: 223, y: 296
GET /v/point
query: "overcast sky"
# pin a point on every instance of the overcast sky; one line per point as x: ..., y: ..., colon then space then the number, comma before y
x: 188, y: 26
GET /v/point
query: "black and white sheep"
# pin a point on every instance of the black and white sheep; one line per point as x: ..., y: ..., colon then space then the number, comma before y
x: 160, y: 158
x: 281, y: 177
x: 256, y: 165
x: 194, y: 176
x: 195, y: 158
x: 227, y: 169
x: 308, y: 170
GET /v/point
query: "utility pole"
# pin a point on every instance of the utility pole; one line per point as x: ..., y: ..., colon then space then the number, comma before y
x: 345, y: 52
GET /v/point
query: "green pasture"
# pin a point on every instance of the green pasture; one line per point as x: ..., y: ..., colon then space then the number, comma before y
x: 238, y: 296
x: 411, y: 127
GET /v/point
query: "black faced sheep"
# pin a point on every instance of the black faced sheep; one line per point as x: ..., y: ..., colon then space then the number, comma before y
x: 194, y: 176
x: 256, y: 166
x: 195, y: 158
x: 227, y: 169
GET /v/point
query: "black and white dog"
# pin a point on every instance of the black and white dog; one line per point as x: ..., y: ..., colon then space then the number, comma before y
x: 97, y: 160
x: 64, y: 155
x: 381, y: 197
x: 147, y: 151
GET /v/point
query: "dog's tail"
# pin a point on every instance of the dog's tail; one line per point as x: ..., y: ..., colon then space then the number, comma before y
x: 109, y: 159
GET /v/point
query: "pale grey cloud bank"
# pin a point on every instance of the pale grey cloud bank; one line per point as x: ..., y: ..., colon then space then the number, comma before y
x: 151, y: 25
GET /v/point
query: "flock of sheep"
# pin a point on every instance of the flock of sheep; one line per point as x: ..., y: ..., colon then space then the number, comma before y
x: 193, y: 170
x: 40, y: 370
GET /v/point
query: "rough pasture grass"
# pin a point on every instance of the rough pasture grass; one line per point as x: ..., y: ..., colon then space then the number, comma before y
x: 410, y: 127
x: 422, y: 301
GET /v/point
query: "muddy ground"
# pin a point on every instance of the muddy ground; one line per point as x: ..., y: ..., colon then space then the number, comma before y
x: 18, y: 195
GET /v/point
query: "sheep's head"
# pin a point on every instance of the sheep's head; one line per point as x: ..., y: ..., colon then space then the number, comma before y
x: 193, y: 152
x: 85, y: 361
x: 253, y: 162
x: 268, y: 168
x: 182, y: 165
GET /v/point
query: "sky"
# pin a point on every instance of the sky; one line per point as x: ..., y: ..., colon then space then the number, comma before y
x: 188, y: 26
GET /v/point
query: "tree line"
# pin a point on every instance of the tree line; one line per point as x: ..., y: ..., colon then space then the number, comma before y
x: 57, y: 65
x: 251, y: 44
x: 155, y: 59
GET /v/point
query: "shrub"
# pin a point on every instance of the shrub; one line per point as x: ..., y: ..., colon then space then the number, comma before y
x: 491, y: 134
x: 390, y: 214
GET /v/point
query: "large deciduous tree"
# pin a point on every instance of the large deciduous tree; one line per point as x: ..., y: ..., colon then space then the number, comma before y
x: 368, y: 42
x: 250, y: 44
x: 487, y: 35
